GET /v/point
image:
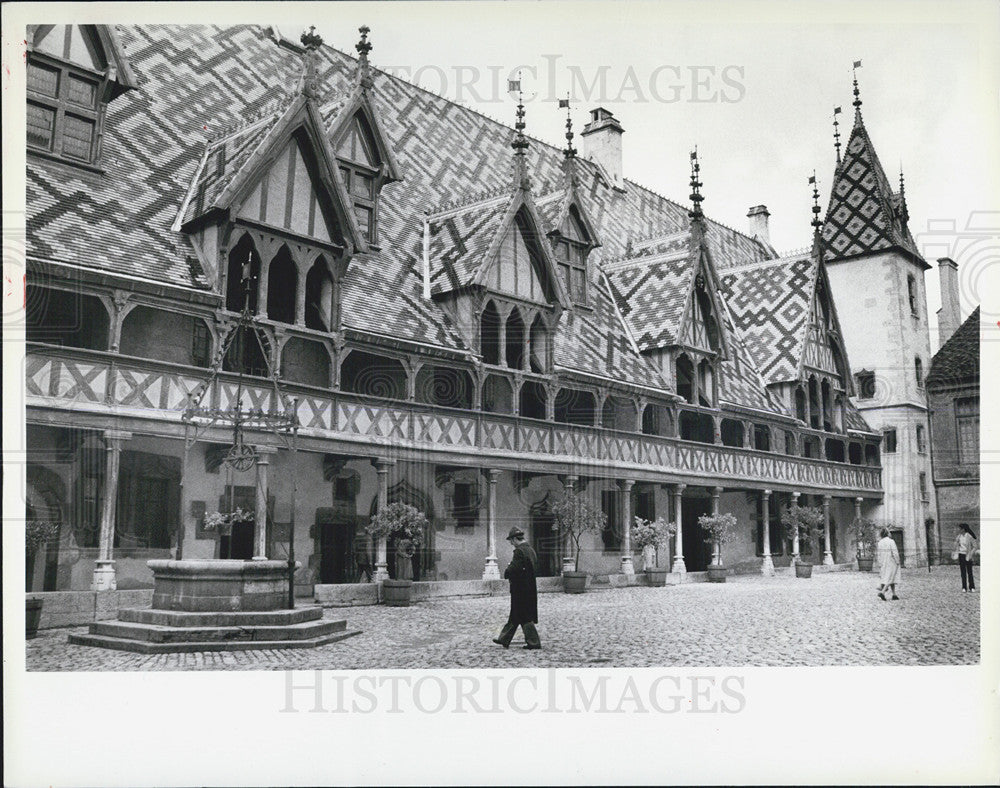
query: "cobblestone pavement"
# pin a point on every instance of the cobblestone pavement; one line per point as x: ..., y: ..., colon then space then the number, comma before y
x: 831, y: 619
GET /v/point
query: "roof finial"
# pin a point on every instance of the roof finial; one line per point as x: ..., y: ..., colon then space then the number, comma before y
x: 311, y: 41
x: 857, y: 93
x: 817, y: 223
x: 364, y: 47
x: 696, y: 198
x: 520, y: 142
x: 570, y: 151
x: 836, y: 133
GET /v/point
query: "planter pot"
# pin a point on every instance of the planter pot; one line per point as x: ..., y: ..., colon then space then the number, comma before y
x: 717, y: 574
x: 656, y: 577
x: 865, y: 564
x: 574, y: 582
x: 32, y: 617
x: 396, y: 593
x: 803, y: 570
x: 568, y: 564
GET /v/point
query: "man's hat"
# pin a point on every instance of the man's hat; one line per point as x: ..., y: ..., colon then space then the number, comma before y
x: 515, y: 533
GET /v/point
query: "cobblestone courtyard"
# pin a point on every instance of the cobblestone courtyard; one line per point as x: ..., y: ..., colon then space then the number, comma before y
x: 831, y: 619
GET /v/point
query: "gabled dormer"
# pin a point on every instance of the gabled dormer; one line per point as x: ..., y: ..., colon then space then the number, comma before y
x: 73, y: 73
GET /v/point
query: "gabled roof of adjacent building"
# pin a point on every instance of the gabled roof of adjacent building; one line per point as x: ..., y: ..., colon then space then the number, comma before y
x: 957, y: 362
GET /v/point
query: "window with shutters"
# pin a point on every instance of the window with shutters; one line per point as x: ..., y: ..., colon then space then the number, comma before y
x: 65, y: 89
x: 360, y: 168
x: 571, y: 245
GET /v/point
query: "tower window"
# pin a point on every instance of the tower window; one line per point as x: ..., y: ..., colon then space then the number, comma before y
x: 889, y: 441
x: 866, y: 384
x: 911, y: 292
x: 967, y: 430
x: 918, y: 366
x: 921, y: 439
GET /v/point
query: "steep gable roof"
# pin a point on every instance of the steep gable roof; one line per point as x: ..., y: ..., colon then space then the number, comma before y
x: 957, y: 361
x: 864, y: 214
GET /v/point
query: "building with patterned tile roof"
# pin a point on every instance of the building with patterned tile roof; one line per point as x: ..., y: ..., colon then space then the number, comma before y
x: 448, y: 313
x: 877, y: 278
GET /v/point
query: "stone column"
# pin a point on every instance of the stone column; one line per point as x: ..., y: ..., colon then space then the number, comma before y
x: 678, y: 566
x: 300, y: 296
x: 568, y: 562
x: 857, y: 507
x: 626, y: 487
x: 382, y: 465
x: 795, y: 536
x: 767, y: 565
x: 104, y: 569
x: 492, y: 570
x: 828, y: 553
x: 716, y: 548
x: 260, y: 514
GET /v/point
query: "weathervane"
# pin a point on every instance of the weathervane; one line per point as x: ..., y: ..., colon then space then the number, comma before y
x: 364, y: 47
x: 857, y: 93
x: 816, y: 221
x: 836, y: 132
x: 520, y: 142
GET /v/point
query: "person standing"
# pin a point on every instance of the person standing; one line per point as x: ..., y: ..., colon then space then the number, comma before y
x: 523, y: 593
x: 965, y: 547
x: 888, y: 561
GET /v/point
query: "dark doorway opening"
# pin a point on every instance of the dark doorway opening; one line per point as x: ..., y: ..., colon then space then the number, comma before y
x: 697, y: 552
x: 545, y: 540
x: 336, y: 545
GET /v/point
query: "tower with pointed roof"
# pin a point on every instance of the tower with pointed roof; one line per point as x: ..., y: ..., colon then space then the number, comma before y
x: 877, y: 276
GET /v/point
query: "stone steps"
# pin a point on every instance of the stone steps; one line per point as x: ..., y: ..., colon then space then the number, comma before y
x: 148, y: 647
x: 182, y: 618
x: 166, y: 634
x: 151, y: 631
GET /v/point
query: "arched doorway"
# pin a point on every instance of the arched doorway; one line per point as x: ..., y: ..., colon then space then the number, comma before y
x: 45, y: 500
x: 423, y: 560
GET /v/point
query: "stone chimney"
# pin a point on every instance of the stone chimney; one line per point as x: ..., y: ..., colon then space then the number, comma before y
x: 949, y: 315
x: 758, y: 216
x: 602, y: 142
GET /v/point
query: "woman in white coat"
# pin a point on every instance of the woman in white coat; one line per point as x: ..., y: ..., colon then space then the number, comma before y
x: 888, y: 561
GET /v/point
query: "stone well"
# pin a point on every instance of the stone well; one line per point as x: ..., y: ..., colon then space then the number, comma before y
x: 219, y: 585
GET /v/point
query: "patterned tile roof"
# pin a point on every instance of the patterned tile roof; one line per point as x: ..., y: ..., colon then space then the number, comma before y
x: 958, y: 359
x: 651, y: 294
x: 459, y: 242
x: 771, y: 303
x: 198, y: 80
x: 740, y: 382
x: 864, y: 215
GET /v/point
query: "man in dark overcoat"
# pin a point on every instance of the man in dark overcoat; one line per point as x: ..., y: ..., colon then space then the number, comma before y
x: 523, y: 593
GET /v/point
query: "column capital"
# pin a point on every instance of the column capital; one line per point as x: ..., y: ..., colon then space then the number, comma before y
x: 493, y: 474
x: 117, y: 435
x: 680, y: 487
x: 827, y: 499
x: 382, y: 464
x: 265, y: 450
x: 717, y: 491
x: 859, y: 500
x: 795, y: 496
x: 766, y: 493
x: 626, y: 484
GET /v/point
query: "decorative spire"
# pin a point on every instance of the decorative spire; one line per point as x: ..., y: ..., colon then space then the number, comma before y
x: 311, y: 41
x: 364, y: 46
x: 836, y: 133
x: 570, y: 151
x: 817, y: 223
x: 696, y: 198
x: 857, y: 93
x: 520, y: 142
x: 904, y: 213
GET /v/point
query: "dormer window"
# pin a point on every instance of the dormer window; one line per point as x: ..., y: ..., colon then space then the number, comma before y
x: 68, y: 87
x: 359, y: 167
x: 572, y: 245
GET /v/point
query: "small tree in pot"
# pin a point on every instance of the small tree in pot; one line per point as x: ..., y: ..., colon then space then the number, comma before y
x: 648, y: 536
x: 404, y: 526
x: 721, y: 528
x: 864, y: 534
x: 802, y: 522
x: 573, y: 516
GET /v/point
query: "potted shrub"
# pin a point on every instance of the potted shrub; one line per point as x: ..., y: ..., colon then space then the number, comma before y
x: 802, y: 522
x: 404, y: 526
x: 648, y: 536
x: 573, y: 516
x: 721, y: 528
x: 222, y: 523
x: 37, y: 533
x: 864, y: 533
